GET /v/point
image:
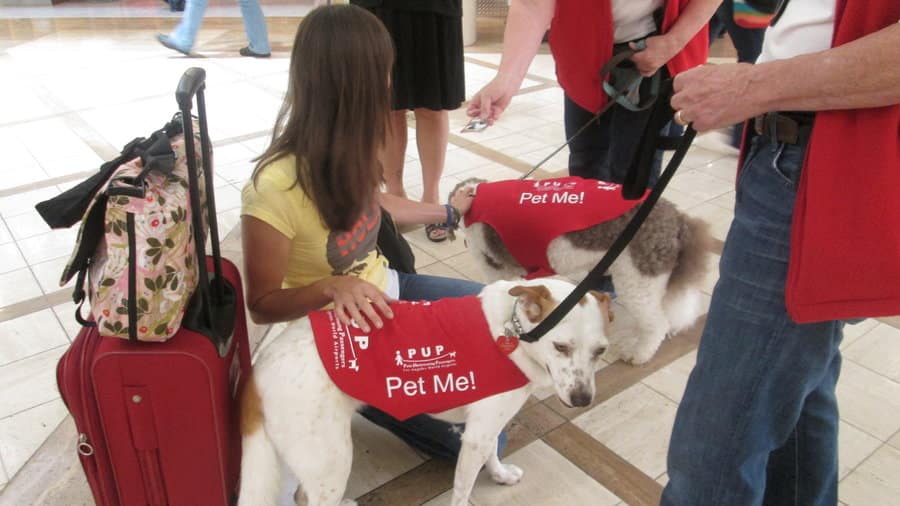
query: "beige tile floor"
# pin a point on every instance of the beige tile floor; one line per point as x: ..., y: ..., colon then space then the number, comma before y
x: 81, y: 79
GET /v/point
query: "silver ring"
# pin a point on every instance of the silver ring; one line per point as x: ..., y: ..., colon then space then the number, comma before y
x: 679, y: 118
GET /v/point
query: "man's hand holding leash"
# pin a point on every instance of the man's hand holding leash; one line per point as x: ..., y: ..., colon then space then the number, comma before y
x: 715, y: 96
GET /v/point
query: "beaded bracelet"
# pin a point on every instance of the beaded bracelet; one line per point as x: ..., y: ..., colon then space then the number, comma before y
x: 453, y: 216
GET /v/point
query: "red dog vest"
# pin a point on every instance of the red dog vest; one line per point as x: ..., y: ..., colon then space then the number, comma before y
x: 431, y: 357
x: 529, y: 214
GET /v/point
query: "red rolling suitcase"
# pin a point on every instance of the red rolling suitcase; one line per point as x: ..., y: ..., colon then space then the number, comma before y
x: 158, y: 423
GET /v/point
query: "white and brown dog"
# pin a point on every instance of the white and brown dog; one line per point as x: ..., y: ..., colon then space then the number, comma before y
x: 293, y: 413
x: 527, y: 228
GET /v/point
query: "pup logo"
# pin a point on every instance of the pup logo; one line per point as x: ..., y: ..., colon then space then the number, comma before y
x: 552, y: 185
x: 609, y: 187
x: 345, y: 343
x: 424, y: 358
x: 361, y: 341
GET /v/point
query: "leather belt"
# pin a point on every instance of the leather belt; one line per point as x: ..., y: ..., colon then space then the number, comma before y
x: 784, y: 127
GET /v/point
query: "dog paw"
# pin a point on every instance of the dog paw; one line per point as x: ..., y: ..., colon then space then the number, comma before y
x: 508, y: 474
x: 639, y: 356
x: 618, y: 351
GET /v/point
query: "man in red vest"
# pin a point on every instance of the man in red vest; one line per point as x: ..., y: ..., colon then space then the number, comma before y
x: 815, y: 241
x: 584, y: 34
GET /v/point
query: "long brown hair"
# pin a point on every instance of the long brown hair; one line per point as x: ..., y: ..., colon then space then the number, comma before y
x: 336, y: 110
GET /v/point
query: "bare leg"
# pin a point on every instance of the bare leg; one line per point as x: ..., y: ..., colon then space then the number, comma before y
x: 394, y: 154
x: 432, y: 133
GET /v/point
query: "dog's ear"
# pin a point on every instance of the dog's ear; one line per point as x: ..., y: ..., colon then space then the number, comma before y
x: 604, y: 301
x: 537, y: 302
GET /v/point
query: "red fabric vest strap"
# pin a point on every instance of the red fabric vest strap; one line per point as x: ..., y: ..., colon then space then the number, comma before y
x: 581, y: 39
x: 845, y: 237
x: 527, y: 215
x: 431, y: 357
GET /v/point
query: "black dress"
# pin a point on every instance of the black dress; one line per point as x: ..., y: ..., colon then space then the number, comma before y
x: 427, y: 34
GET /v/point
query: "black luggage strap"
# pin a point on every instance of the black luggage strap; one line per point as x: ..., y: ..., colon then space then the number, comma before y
x: 213, y: 306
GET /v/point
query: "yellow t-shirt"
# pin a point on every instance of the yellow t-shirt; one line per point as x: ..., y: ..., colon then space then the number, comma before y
x: 316, y: 252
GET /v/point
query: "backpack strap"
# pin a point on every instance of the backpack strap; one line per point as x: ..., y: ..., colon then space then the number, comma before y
x: 92, y: 230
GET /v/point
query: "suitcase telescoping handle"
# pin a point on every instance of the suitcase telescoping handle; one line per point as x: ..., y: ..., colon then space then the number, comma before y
x: 215, y: 314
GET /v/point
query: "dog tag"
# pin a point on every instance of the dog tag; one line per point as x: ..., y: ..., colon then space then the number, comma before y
x: 507, y: 344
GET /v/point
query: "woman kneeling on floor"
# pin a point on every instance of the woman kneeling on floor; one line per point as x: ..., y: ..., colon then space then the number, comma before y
x: 311, y: 212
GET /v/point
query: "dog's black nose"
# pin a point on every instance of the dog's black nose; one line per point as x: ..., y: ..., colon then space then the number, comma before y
x: 580, y: 397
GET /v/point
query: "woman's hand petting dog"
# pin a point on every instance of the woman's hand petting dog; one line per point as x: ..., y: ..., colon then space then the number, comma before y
x: 355, y: 300
x: 462, y: 199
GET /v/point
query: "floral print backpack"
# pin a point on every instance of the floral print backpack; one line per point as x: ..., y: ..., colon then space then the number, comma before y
x: 136, y: 245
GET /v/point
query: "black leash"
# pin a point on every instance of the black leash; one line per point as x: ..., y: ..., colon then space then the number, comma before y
x: 625, y: 81
x: 594, y: 277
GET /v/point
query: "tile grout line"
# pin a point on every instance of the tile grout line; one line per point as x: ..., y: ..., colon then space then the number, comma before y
x: 494, y: 66
x: 9, y: 477
x: 863, y: 461
x: 620, y: 482
x: 46, y: 183
x: 867, y: 368
x: 39, y: 303
x: 672, y: 354
x: 28, y: 357
x: 664, y: 396
x: 5, y: 473
x: 32, y: 407
x: 8, y: 192
x: 108, y: 151
x: 36, y: 280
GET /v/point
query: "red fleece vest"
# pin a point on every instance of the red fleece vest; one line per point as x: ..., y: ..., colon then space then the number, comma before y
x: 845, y: 237
x: 581, y: 39
x: 529, y: 214
x: 431, y: 357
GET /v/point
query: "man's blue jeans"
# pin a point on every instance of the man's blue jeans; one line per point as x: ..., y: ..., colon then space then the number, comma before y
x: 758, y: 422
x: 429, y: 435
x: 254, y: 24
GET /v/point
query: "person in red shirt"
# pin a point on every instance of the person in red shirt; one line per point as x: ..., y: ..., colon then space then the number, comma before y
x: 815, y: 241
x: 584, y: 34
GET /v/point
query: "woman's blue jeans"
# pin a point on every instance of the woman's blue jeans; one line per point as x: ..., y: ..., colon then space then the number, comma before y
x: 254, y: 24
x: 429, y: 435
x: 758, y: 422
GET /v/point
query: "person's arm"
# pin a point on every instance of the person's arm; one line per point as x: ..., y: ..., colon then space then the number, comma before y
x: 266, y: 256
x: 526, y: 23
x: 857, y: 75
x: 410, y: 212
x: 662, y: 48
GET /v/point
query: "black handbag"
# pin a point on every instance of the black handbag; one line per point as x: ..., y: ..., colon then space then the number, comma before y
x: 394, y: 247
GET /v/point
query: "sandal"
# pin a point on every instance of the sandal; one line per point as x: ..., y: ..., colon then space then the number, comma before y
x: 436, y: 232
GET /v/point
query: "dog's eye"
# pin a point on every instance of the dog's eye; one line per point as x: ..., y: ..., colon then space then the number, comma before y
x: 565, y: 349
x: 599, y: 352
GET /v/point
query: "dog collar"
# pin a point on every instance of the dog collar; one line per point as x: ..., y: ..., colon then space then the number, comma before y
x: 513, y: 328
x: 509, y: 341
